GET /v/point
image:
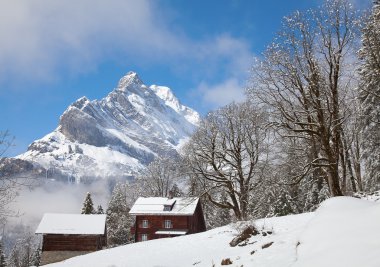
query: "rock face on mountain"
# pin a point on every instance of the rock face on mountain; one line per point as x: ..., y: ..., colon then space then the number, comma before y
x: 115, y: 136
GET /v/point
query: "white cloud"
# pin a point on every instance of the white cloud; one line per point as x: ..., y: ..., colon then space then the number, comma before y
x: 222, y: 93
x: 233, y: 58
x: 56, y: 197
x: 38, y: 36
x: 41, y: 38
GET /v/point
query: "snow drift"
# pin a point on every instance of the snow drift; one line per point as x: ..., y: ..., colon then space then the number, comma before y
x: 343, y: 232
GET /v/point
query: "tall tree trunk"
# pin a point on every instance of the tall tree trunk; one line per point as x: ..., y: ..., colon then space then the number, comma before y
x: 357, y: 166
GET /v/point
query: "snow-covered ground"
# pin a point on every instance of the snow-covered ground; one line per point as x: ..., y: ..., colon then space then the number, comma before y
x: 343, y: 232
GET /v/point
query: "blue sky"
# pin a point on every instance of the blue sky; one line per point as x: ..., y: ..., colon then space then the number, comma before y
x: 52, y: 52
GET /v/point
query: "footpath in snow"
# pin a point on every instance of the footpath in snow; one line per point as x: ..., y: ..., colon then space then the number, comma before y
x: 343, y: 232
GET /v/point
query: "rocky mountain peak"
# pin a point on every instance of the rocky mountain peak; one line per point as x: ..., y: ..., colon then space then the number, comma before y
x: 81, y: 102
x: 118, y: 135
x: 131, y: 79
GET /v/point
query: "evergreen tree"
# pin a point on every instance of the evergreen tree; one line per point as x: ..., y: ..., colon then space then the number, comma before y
x: 118, y: 219
x: 36, y: 258
x: 223, y: 215
x: 175, y: 191
x: 100, y: 210
x: 23, y: 252
x: 210, y: 213
x: 369, y: 95
x: 14, y: 257
x: 88, y: 205
x: 2, y: 256
x: 281, y: 204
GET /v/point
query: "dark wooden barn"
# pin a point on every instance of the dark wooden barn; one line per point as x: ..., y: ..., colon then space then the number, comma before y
x: 158, y: 217
x: 68, y: 235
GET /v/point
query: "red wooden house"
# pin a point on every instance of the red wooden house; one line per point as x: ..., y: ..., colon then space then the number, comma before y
x: 158, y: 217
x: 68, y: 235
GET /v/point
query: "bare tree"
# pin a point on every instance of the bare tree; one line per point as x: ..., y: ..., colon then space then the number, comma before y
x: 227, y: 154
x: 6, y: 141
x: 8, y: 186
x: 25, y: 252
x: 158, y: 178
x: 303, y: 78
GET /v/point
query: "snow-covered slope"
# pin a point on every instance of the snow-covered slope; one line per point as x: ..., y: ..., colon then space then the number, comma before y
x: 117, y: 135
x: 342, y: 233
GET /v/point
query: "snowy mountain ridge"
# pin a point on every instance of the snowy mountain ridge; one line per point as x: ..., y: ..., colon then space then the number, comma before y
x: 115, y: 136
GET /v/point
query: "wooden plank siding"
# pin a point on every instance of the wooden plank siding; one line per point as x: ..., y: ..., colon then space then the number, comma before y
x: 58, y: 242
x: 192, y: 224
x: 198, y: 223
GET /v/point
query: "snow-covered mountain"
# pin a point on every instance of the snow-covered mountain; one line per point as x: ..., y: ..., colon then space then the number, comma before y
x: 115, y: 136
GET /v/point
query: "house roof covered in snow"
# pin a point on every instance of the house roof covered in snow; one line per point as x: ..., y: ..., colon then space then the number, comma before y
x: 159, y: 206
x: 82, y: 224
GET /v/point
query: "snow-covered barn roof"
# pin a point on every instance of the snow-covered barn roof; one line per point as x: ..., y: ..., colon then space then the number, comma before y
x: 80, y: 224
x: 156, y: 206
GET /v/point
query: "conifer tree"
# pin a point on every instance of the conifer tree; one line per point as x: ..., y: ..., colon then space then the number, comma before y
x: 2, y: 256
x: 36, y: 258
x: 281, y: 205
x: 88, y: 205
x: 118, y: 219
x: 223, y: 215
x: 100, y: 210
x: 369, y: 96
x: 175, y: 191
x: 14, y: 257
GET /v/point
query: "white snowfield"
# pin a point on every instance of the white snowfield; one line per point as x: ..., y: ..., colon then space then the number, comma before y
x: 342, y: 233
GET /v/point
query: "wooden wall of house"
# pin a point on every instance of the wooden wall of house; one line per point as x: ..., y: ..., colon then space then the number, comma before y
x: 55, y: 242
x: 156, y: 222
x: 197, y: 221
x: 193, y: 224
x: 201, y: 226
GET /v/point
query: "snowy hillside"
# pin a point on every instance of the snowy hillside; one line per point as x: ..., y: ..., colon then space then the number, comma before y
x: 117, y: 135
x: 343, y: 232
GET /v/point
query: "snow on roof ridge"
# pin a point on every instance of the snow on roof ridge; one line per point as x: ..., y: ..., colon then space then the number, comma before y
x: 65, y: 223
x: 182, y: 206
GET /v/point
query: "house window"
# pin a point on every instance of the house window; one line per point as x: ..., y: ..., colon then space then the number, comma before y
x: 144, y: 224
x: 144, y: 237
x: 168, y: 224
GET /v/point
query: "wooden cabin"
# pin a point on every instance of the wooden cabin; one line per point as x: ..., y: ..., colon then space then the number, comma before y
x: 159, y: 217
x: 68, y: 235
